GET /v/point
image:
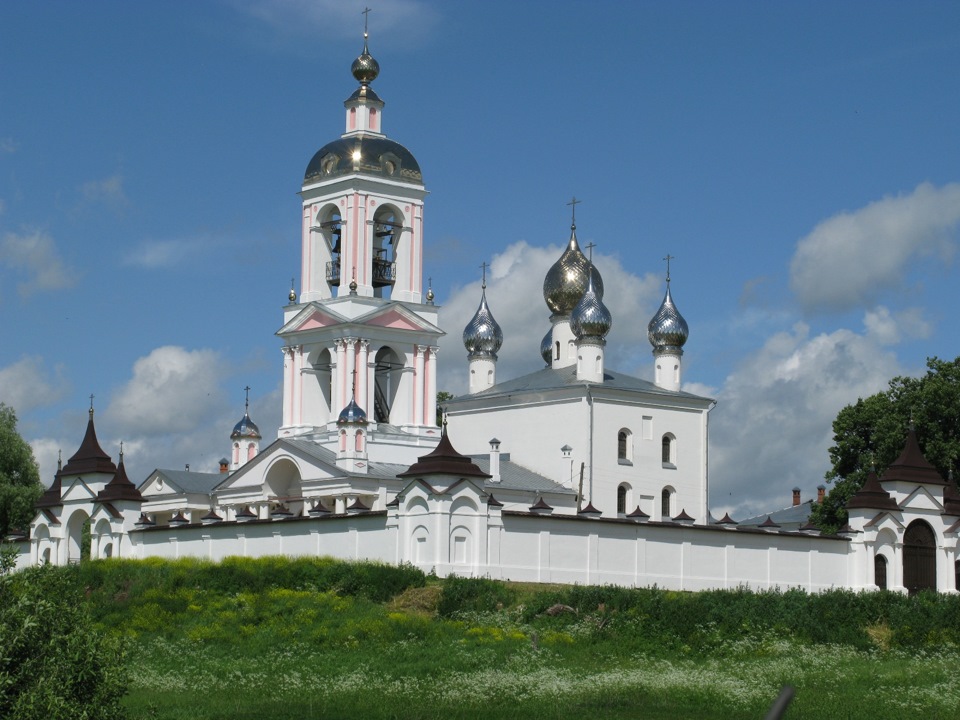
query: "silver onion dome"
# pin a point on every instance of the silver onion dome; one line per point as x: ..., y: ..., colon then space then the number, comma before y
x: 667, y: 330
x: 590, y: 319
x: 246, y: 428
x: 546, y: 347
x: 566, y: 281
x: 365, y: 68
x: 482, y: 337
x: 352, y: 413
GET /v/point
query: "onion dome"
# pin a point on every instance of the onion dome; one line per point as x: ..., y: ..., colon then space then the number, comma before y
x: 482, y: 337
x: 566, y: 281
x: 546, y: 347
x: 590, y: 319
x: 246, y: 428
x: 365, y: 68
x: 352, y: 413
x: 667, y: 330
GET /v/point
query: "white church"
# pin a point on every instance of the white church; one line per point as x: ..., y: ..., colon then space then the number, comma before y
x: 573, y: 473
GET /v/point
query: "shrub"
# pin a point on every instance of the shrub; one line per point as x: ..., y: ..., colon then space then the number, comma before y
x: 53, y: 664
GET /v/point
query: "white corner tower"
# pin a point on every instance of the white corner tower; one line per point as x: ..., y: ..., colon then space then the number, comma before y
x: 667, y: 333
x: 482, y: 337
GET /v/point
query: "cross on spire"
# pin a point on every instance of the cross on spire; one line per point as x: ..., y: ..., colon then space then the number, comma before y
x: 573, y: 210
x: 590, y: 247
x: 668, y: 258
x: 366, y: 16
x: 91, y: 405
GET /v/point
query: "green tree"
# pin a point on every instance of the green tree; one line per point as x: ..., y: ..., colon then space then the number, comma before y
x: 53, y: 664
x: 19, y: 477
x: 871, y: 432
x: 442, y: 397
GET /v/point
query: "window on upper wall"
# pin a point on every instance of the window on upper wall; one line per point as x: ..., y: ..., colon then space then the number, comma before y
x: 665, y: 509
x: 625, y: 447
x: 622, y: 500
x: 668, y: 451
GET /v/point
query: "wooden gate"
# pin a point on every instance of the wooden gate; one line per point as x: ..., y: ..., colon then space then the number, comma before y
x: 919, y: 557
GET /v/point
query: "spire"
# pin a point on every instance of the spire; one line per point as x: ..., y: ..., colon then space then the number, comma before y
x: 90, y: 457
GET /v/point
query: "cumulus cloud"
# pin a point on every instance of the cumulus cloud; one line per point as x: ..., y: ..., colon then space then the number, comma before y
x: 851, y: 258
x: 29, y: 383
x: 172, y: 391
x: 773, y: 423
x: 35, y: 254
x: 515, y: 297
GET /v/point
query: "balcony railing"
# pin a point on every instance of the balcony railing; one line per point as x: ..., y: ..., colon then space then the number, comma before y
x: 384, y: 272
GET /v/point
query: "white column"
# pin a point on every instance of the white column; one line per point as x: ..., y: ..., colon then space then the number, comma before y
x: 430, y: 398
x: 418, y: 353
x: 287, y: 386
x: 297, y: 362
x: 363, y: 377
x: 339, y: 401
x: 351, y: 353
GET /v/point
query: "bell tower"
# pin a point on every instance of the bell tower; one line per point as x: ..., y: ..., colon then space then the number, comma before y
x: 362, y: 331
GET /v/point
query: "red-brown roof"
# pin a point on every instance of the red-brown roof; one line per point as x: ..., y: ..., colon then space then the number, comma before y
x: 90, y: 458
x: 120, y: 487
x: 912, y: 466
x: 444, y: 460
x: 872, y: 496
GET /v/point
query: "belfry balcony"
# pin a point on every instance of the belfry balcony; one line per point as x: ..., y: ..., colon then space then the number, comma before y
x: 384, y: 273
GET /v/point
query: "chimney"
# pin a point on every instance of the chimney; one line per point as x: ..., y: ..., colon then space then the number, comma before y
x: 796, y: 496
x: 224, y: 465
x: 495, y: 460
x: 821, y: 491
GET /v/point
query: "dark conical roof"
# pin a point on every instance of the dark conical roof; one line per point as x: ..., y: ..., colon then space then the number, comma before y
x: 90, y: 458
x: 872, y: 496
x: 51, y: 496
x: 912, y: 466
x: 120, y: 488
x: 444, y: 460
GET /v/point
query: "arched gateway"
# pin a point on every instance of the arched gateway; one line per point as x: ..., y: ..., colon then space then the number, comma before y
x: 919, y: 557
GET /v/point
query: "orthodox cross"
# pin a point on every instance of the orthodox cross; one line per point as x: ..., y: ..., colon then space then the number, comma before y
x: 366, y: 16
x: 247, y: 404
x: 573, y: 210
x: 668, y: 258
x: 590, y: 247
x: 91, y: 405
x: 484, y: 266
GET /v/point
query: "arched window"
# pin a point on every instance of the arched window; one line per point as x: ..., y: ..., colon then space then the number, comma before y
x: 665, y: 513
x: 880, y: 572
x: 236, y: 453
x: 625, y: 446
x: 668, y: 451
x: 558, y: 350
x: 622, y: 499
x: 251, y: 451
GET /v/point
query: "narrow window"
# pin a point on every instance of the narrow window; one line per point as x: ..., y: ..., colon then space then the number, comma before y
x: 558, y: 350
x: 665, y: 504
x: 880, y: 572
x: 622, y: 500
x: 668, y: 451
x: 622, y: 445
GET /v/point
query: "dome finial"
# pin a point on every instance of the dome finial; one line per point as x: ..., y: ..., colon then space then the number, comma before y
x: 668, y: 258
x: 91, y: 406
x: 365, y: 68
x: 293, y: 292
x: 430, y: 295
x: 573, y: 211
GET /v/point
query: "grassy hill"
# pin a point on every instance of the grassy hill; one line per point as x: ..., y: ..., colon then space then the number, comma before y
x: 312, y: 638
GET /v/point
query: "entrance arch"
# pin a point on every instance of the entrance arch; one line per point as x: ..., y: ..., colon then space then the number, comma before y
x: 919, y: 557
x: 78, y: 536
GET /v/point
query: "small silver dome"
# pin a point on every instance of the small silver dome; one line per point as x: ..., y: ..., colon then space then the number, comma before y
x: 482, y: 337
x: 365, y: 68
x: 352, y: 413
x: 546, y: 347
x: 566, y: 281
x: 246, y: 428
x: 590, y: 319
x: 667, y: 330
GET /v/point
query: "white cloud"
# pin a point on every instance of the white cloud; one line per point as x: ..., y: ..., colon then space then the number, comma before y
x: 160, y: 254
x: 172, y: 391
x: 773, y: 423
x: 109, y: 190
x: 35, y: 253
x: 29, y: 384
x: 515, y: 297
x: 849, y: 260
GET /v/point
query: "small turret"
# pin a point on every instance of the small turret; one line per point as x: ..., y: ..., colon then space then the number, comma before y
x: 245, y: 438
x: 667, y: 333
x: 482, y: 337
x: 590, y: 322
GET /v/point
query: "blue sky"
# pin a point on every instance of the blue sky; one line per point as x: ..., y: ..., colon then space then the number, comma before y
x: 800, y: 161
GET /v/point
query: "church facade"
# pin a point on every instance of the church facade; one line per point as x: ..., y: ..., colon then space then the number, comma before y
x: 573, y: 473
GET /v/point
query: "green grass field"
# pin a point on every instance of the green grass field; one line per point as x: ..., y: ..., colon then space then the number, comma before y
x: 319, y: 639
